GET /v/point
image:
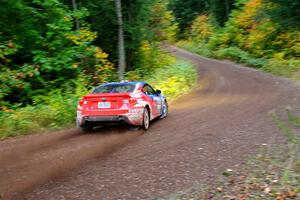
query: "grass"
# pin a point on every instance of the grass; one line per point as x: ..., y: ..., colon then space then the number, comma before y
x: 199, y: 48
x: 286, y: 68
x: 274, y: 173
x: 58, y: 112
x: 289, y: 68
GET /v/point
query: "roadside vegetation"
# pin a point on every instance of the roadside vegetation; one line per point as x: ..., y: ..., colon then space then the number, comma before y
x: 264, y: 34
x: 57, y: 109
x: 57, y: 51
x: 274, y: 173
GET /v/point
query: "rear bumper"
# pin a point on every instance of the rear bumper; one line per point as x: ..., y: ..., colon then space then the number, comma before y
x: 105, y: 119
x: 135, y: 118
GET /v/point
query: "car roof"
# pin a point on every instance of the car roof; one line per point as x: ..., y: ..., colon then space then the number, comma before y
x: 127, y: 82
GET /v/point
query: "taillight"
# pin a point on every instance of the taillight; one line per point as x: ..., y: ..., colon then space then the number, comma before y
x: 80, y: 103
x: 132, y: 101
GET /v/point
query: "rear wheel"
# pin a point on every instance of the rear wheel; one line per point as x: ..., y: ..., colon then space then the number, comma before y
x: 133, y: 128
x: 146, y: 119
x: 87, y: 128
x: 164, y: 112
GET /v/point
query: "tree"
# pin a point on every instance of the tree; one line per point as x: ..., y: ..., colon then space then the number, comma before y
x: 121, y: 49
x: 74, y: 4
x: 162, y: 22
x: 41, y: 51
x: 220, y: 10
x: 186, y: 11
x: 286, y: 12
x: 135, y: 18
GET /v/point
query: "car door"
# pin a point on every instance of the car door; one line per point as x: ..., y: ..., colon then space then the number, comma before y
x: 153, y: 100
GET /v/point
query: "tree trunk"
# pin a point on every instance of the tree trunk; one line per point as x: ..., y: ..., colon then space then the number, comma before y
x: 227, y: 7
x: 121, y: 49
x: 74, y: 4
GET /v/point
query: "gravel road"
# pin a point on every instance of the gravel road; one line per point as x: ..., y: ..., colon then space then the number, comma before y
x: 225, y: 119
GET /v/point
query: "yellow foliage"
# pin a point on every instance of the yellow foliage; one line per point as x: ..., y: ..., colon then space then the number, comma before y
x: 246, y: 18
x: 279, y: 56
x: 162, y: 22
x: 81, y: 36
x: 75, y: 65
x: 145, y: 46
x: 201, y: 28
x: 290, y: 41
x: 104, y: 69
x: 104, y: 72
x: 67, y: 18
x: 4, y: 108
x: 258, y: 35
x: 100, y: 54
x: 133, y: 76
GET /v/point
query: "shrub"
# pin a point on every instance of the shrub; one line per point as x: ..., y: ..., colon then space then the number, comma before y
x: 151, y: 57
x: 201, y: 29
x: 241, y: 56
x: 51, y: 111
x: 175, y: 79
x: 199, y: 48
x: 57, y: 109
x: 287, y: 68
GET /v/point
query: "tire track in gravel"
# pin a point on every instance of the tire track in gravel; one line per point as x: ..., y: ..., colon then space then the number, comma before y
x: 32, y: 160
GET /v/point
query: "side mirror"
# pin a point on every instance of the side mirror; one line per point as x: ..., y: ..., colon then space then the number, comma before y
x: 158, y: 91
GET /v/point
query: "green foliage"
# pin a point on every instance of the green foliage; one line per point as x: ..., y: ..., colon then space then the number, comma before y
x: 47, y: 53
x: 144, y: 20
x: 151, y: 58
x: 286, y: 12
x: 220, y: 10
x: 252, y: 35
x: 162, y: 23
x: 234, y: 53
x: 201, y: 29
x: 288, y: 133
x: 288, y: 68
x: 186, y: 11
x: 50, y: 111
x: 174, y: 79
x: 46, y: 59
x: 57, y: 108
x: 164, y: 71
x: 252, y: 30
x: 199, y: 48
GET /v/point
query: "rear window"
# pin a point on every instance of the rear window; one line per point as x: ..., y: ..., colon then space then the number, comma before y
x: 114, y: 88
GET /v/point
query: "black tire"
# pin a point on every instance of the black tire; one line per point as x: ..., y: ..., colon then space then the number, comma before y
x: 165, y: 110
x: 133, y: 128
x: 146, y: 119
x: 87, y: 128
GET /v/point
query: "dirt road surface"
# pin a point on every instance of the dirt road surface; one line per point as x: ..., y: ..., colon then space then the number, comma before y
x: 226, y: 118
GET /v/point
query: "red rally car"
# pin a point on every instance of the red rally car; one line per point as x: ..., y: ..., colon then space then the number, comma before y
x: 135, y: 103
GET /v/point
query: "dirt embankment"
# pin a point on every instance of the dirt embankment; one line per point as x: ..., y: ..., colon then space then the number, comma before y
x: 221, y: 122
